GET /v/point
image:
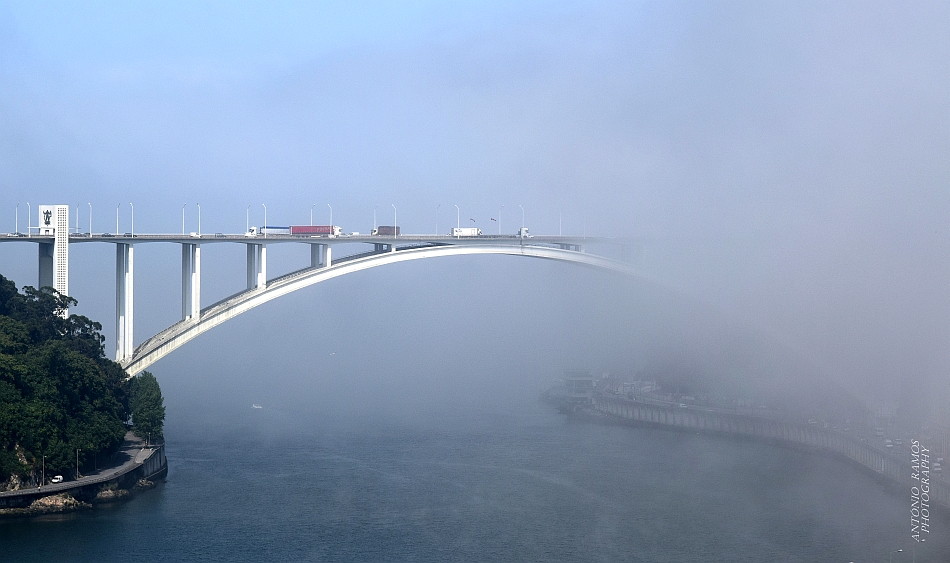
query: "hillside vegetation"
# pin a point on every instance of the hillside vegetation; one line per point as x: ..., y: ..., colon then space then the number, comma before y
x: 58, y: 391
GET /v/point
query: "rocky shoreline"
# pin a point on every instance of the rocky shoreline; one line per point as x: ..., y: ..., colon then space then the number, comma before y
x: 65, y: 502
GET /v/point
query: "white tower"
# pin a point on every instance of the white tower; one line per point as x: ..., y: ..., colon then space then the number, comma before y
x: 54, y: 258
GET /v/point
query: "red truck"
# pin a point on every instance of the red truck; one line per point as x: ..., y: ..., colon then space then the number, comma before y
x: 328, y: 230
x: 386, y: 230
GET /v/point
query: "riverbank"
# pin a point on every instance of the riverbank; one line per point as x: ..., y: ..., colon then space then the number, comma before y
x: 895, y: 469
x: 138, y: 466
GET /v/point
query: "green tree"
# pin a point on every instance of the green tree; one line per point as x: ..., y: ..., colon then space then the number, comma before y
x: 148, y: 406
x: 58, y: 391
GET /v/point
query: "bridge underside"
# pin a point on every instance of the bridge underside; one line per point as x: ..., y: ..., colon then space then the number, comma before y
x: 261, y: 292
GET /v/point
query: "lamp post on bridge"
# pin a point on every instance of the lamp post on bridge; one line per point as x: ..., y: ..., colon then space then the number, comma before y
x: 499, y: 219
x: 263, y: 229
x: 522, y: 215
x: 374, y: 216
x: 395, y: 228
x: 132, y: 230
x: 331, y: 216
x: 183, y: 219
x: 17, y: 220
x: 29, y: 213
x: 311, y: 214
x: 117, y: 219
x: 199, y: 219
x: 458, y: 217
x: 247, y: 219
x: 90, y: 219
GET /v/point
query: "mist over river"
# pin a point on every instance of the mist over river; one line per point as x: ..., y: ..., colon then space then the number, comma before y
x: 509, y: 480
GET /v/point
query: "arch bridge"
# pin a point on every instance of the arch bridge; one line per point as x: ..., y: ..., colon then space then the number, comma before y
x: 53, y: 239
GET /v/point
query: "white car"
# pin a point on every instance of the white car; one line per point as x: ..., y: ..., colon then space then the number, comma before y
x: 57, y: 479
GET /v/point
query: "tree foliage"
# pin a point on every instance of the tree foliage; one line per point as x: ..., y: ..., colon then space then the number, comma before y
x: 148, y: 406
x: 58, y: 391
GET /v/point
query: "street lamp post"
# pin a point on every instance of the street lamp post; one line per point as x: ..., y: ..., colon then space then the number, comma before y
x: 132, y: 229
x: 311, y: 214
x: 522, y: 215
x: 499, y: 219
x: 374, y: 216
x: 117, y: 219
x: 17, y: 220
x: 264, y: 228
x: 247, y: 219
x: 90, y: 219
x: 29, y: 213
x: 395, y: 228
x: 199, y: 219
x: 183, y: 219
x: 331, y: 216
x: 458, y: 217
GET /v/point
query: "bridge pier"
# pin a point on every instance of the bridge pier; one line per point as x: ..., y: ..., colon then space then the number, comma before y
x: 256, y: 266
x: 251, y: 266
x: 46, y: 264
x: 123, y: 301
x: 320, y: 255
x: 190, y: 281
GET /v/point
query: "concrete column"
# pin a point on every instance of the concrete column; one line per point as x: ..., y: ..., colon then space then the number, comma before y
x: 327, y: 254
x: 315, y: 255
x: 251, y: 266
x: 120, y: 265
x: 46, y: 264
x: 185, y: 281
x: 261, y: 266
x: 124, y: 261
x: 195, y: 281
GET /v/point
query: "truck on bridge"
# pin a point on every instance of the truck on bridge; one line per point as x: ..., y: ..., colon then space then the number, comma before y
x: 466, y: 232
x: 302, y: 230
x: 386, y: 230
x: 329, y: 230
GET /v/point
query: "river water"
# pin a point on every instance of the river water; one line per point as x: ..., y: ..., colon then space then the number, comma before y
x: 520, y: 483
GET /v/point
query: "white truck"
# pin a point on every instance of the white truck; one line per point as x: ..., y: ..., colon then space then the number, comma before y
x: 466, y: 232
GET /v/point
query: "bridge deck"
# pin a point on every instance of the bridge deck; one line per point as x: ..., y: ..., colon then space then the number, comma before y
x: 205, y: 238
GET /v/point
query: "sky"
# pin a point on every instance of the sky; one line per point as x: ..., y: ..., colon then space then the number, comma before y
x: 783, y: 167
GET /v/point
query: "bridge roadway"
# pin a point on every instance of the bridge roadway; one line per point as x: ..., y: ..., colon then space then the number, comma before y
x: 891, y: 463
x: 205, y: 238
x: 195, y: 320
x: 132, y: 455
